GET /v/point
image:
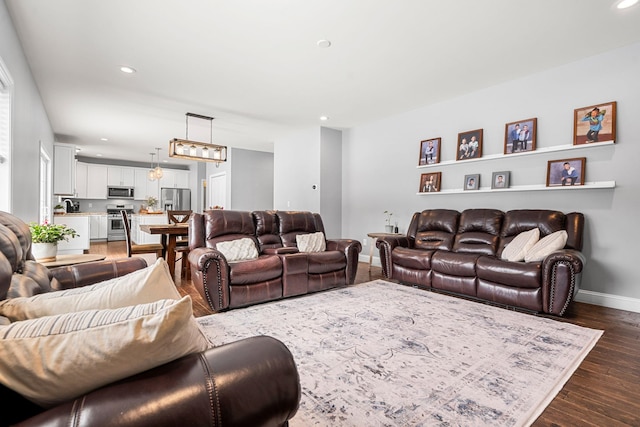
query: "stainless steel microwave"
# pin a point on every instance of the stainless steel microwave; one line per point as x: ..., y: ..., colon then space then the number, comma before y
x: 120, y: 192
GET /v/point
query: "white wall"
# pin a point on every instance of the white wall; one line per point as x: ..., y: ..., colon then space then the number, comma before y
x: 331, y: 181
x: 251, y: 180
x: 30, y: 124
x: 380, y: 159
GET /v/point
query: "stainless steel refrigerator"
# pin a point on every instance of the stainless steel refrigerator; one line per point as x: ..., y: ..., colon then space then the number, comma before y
x: 175, y: 199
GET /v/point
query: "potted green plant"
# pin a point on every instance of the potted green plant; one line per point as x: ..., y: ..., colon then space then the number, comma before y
x: 45, y: 238
x: 151, y: 203
x: 388, y: 227
x: 59, y: 209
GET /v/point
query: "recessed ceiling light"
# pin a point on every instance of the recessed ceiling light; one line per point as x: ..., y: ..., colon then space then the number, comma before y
x: 324, y: 118
x: 98, y: 155
x: 104, y: 139
x: 78, y: 149
x: 127, y: 70
x: 323, y: 43
x: 624, y: 4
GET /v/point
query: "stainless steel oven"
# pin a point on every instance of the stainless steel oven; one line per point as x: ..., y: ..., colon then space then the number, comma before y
x: 115, y: 224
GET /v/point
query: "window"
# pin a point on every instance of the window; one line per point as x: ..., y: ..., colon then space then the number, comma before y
x: 6, y: 89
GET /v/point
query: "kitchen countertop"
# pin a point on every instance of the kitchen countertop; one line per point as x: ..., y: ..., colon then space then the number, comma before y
x: 80, y: 213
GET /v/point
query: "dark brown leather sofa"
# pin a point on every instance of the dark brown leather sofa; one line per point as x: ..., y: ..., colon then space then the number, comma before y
x: 218, y: 387
x: 279, y: 271
x: 459, y: 253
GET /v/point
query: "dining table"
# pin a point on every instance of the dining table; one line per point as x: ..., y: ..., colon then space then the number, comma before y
x: 169, y: 234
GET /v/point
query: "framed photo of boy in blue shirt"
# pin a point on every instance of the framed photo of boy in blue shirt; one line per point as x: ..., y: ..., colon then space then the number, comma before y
x: 566, y: 172
x: 595, y: 123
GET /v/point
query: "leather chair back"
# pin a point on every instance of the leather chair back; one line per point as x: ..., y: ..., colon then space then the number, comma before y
x: 267, y: 229
x: 217, y: 225
x: 292, y: 223
x: 478, y: 231
x: 434, y: 229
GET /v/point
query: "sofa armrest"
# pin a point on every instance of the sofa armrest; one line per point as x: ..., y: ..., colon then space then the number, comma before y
x: 351, y: 249
x: 210, y: 276
x: 561, y: 273
x: 253, y: 381
x: 78, y: 275
x: 385, y: 245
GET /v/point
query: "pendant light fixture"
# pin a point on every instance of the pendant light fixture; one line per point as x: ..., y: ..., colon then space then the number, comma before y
x: 199, y: 151
x: 157, y: 172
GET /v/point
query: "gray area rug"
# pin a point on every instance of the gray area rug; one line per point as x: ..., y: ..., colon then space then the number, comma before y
x: 382, y: 354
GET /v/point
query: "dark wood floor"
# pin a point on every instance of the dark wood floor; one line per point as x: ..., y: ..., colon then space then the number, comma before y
x: 604, y: 390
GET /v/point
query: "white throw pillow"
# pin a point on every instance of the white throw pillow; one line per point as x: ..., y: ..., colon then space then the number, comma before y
x: 238, y: 250
x: 312, y: 242
x: 139, y: 287
x: 518, y: 247
x: 546, y: 245
x: 53, y: 359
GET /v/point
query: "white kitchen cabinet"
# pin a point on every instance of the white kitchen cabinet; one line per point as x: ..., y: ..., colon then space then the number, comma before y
x: 82, y: 174
x: 80, y: 243
x: 96, y: 181
x: 143, y: 187
x: 174, y: 178
x: 120, y: 176
x: 64, y: 169
x: 142, y: 238
x: 98, y: 226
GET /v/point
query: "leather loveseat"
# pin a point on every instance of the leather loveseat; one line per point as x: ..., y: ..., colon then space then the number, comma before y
x: 248, y: 382
x: 279, y: 269
x: 460, y: 253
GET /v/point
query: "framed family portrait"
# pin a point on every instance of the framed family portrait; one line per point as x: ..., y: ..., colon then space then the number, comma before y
x: 429, y: 151
x: 566, y: 172
x: 469, y: 145
x: 500, y: 179
x: 520, y: 136
x: 430, y: 182
x: 595, y: 123
x: 471, y: 182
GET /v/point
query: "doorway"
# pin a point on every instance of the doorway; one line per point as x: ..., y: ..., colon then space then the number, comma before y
x: 218, y: 191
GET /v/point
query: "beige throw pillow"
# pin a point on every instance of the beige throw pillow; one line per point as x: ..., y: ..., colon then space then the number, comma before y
x: 312, y: 242
x: 546, y: 245
x: 139, y: 287
x: 518, y: 247
x: 238, y: 250
x: 53, y: 359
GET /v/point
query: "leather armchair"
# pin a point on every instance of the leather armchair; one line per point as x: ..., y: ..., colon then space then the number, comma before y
x: 251, y: 382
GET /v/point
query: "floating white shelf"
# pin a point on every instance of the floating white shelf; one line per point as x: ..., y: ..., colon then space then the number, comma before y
x: 586, y: 186
x: 525, y: 153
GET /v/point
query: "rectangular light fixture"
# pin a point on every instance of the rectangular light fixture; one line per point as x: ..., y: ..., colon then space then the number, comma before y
x: 199, y: 151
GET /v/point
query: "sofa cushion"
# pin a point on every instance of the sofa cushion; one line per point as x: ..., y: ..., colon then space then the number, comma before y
x: 434, y: 229
x: 53, y: 359
x: 311, y: 242
x: 261, y: 269
x: 411, y: 258
x: 515, y: 274
x: 238, y: 250
x: 545, y: 246
x: 520, y: 245
x: 326, y: 262
x: 140, y: 287
x: 454, y: 264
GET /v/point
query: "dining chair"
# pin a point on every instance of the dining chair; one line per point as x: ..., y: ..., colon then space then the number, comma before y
x: 182, y: 243
x: 135, y: 249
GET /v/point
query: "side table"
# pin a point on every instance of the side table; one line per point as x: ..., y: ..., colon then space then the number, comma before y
x: 374, y: 237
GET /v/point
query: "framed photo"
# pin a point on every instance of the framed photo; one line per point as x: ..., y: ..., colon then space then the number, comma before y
x: 469, y: 145
x: 596, y: 123
x: 520, y: 136
x: 566, y: 172
x: 429, y: 151
x: 471, y: 182
x: 430, y: 182
x: 500, y: 180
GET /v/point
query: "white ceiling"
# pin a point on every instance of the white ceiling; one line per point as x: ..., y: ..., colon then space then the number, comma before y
x: 255, y: 65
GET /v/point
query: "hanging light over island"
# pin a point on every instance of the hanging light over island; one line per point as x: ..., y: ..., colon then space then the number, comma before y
x: 195, y: 150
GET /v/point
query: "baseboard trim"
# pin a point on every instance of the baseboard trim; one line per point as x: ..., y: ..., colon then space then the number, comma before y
x: 588, y: 297
x: 609, y: 300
